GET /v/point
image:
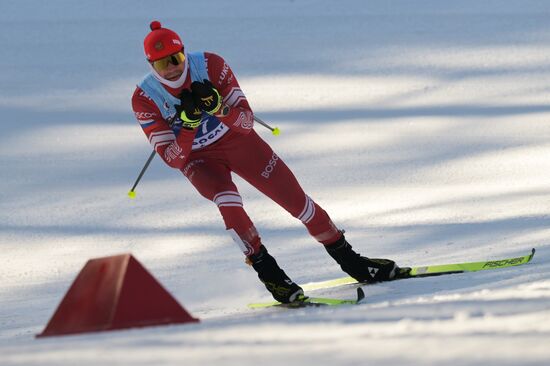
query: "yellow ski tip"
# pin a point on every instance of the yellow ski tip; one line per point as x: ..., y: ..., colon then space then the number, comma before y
x: 276, y: 131
x: 132, y: 194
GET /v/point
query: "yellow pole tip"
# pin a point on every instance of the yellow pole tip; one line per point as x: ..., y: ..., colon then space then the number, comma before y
x: 132, y: 194
x: 276, y: 131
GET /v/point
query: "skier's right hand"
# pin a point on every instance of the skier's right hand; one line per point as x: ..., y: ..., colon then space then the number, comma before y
x: 188, y: 111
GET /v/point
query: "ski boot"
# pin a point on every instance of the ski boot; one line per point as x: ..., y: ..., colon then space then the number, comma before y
x: 274, y: 278
x: 363, y: 269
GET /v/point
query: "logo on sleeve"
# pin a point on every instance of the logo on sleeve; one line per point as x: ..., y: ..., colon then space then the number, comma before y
x: 172, y: 152
x: 223, y: 73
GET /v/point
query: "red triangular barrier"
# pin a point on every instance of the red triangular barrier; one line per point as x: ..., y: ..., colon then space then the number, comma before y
x: 114, y: 293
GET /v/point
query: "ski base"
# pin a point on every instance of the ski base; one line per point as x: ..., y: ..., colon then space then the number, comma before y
x: 311, y: 302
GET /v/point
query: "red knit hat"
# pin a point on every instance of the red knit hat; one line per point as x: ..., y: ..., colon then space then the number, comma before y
x: 161, y: 42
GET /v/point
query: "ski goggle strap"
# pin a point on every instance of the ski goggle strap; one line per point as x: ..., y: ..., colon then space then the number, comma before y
x: 174, y: 59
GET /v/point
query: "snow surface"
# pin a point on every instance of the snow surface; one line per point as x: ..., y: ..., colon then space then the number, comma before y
x: 420, y: 126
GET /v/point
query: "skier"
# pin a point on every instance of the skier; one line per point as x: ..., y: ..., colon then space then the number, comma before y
x: 199, y: 121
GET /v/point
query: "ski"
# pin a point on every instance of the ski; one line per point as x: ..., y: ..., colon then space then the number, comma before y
x: 311, y: 302
x: 412, y: 272
x: 432, y: 270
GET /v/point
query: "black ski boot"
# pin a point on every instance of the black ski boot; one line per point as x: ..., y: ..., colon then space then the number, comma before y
x: 274, y: 278
x: 361, y: 268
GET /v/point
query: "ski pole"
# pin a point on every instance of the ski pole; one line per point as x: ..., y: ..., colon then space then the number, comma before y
x: 275, y: 131
x: 132, y: 194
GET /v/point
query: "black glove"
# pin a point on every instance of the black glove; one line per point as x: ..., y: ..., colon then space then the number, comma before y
x: 206, y: 96
x: 188, y: 111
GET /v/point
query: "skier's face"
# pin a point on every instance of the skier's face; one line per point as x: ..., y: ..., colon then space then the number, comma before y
x: 172, y: 68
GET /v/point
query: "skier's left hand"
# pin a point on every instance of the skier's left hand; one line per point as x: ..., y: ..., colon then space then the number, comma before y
x: 188, y: 112
x: 206, y: 96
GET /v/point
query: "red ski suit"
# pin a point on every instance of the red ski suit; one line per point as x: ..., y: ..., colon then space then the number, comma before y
x: 239, y: 150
